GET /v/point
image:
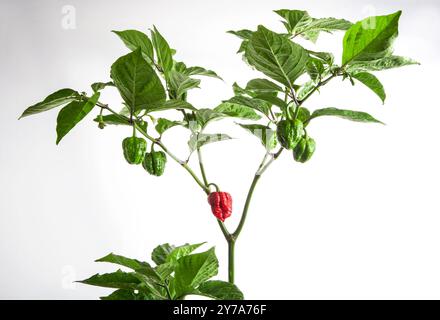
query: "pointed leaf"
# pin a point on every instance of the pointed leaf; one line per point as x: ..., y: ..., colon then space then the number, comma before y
x: 171, y: 104
x: 276, y: 56
x: 56, y: 99
x: 370, y: 39
x: 358, y: 116
x: 237, y: 111
x: 165, y: 124
x: 199, y: 71
x: 182, y: 251
x: 74, y: 112
x: 161, y: 253
x: 266, y: 135
x: 220, y: 290
x: 134, y: 40
x: 371, y: 82
x: 256, y: 104
x: 263, y: 86
x: 123, y: 261
x: 194, y: 269
x: 181, y: 83
x: 118, y: 279
x: 137, y: 82
x: 381, y: 64
x: 199, y: 140
x: 163, y: 51
x: 97, y: 86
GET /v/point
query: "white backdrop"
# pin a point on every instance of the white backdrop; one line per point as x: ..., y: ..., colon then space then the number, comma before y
x: 360, y: 220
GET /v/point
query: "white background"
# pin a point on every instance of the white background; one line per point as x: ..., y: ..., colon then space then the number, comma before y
x: 360, y: 220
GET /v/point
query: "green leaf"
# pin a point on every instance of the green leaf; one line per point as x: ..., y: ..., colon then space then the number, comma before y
x: 325, y: 57
x: 357, y: 116
x: 134, y: 40
x: 370, y: 39
x: 305, y: 89
x: 371, y: 82
x: 266, y: 135
x: 123, y: 261
x: 199, y: 71
x: 56, y: 99
x: 220, y: 290
x: 272, y: 100
x: 263, y: 86
x: 165, y: 124
x: 204, y: 116
x: 315, y: 68
x: 74, y: 112
x: 163, y: 51
x: 181, y: 83
x: 113, y: 120
x: 161, y: 253
x: 255, y: 104
x: 165, y: 270
x: 237, y: 111
x: 171, y: 104
x: 137, y: 82
x: 381, y: 64
x: 299, y: 23
x: 97, y: 86
x: 276, y: 56
x: 294, y: 19
x: 118, y: 279
x: 194, y: 269
x: 182, y: 251
x: 199, y: 140
x: 244, y: 34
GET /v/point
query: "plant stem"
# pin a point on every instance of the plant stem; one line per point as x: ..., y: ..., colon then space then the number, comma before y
x: 231, y: 252
x: 202, y: 167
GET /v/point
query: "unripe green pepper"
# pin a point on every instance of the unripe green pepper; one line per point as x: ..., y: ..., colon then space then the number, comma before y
x: 304, y: 149
x: 134, y: 149
x: 289, y: 133
x: 154, y: 162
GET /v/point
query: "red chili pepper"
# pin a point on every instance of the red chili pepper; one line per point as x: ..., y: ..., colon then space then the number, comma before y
x: 221, y: 204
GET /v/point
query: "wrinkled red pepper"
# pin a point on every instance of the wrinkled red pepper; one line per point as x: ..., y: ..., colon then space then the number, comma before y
x: 221, y: 204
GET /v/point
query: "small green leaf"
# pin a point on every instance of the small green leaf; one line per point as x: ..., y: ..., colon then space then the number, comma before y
x: 118, y: 279
x: 237, y: 111
x: 134, y: 40
x: 272, y: 100
x: 303, y: 114
x: 182, y: 251
x: 137, y: 82
x: 171, y: 104
x: 256, y: 104
x: 244, y: 34
x: 315, y: 69
x: 266, y: 135
x: 276, y: 56
x: 220, y: 290
x: 165, y: 270
x: 123, y: 261
x: 163, y: 51
x: 193, y: 270
x: 371, y: 82
x: 381, y: 64
x: 74, y: 112
x: 305, y: 89
x: 204, y: 116
x: 370, y: 39
x: 199, y: 71
x: 263, y: 86
x: 97, y: 86
x: 198, y: 140
x: 161, y: 252
x: 345, y: 114
x: 181, y: 83
x: 56, y: 99
x: 165, y: 124
x: 113, y: 120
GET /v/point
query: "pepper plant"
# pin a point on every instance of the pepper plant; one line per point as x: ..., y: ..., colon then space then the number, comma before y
x: 150, y: 79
